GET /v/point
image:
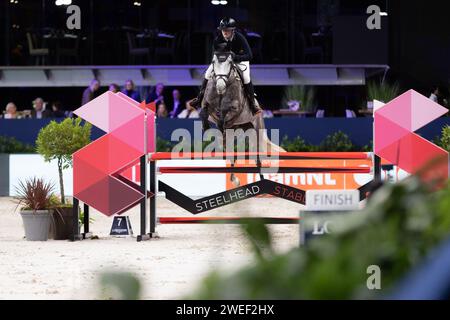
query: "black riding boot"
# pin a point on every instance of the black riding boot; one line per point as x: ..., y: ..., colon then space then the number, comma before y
x: 197, y: 102
x: 250, y: 92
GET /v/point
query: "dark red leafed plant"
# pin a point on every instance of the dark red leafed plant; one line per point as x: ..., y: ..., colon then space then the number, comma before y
x: 35, y: 194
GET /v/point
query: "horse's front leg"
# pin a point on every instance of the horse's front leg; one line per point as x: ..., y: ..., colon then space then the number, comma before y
x: 222, y: 116
x: 233, y: 178
x: 204, y: 115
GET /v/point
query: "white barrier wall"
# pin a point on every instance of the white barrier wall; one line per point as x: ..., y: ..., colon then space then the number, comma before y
x: 25, y: 166
x: 195, y: 185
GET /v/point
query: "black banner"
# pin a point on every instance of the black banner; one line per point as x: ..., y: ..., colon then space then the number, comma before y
x: 231, y: 196
x: 241, y: 193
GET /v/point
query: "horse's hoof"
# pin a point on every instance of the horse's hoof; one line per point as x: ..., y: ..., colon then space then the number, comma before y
x: 235, y: 180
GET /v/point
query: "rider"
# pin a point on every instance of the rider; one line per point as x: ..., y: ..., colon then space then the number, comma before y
x: 233, y: 41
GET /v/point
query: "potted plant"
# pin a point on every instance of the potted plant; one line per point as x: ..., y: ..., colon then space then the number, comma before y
x: 34, y: 196
x: 58, y: 141
x: 383, y: 92
x: 81, y: 220
x: 61, y: 225
x: 299, y: 98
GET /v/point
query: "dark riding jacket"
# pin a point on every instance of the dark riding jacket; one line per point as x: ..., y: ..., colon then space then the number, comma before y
x: 238, y: 45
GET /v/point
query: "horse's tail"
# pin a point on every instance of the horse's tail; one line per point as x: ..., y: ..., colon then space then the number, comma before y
x: 267, y: 145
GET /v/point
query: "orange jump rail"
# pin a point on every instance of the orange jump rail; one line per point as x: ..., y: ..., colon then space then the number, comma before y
x: 200, y: 170
x: 261, y: 155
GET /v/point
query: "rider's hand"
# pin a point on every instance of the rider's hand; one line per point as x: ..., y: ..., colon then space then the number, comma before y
x: 233, y: 55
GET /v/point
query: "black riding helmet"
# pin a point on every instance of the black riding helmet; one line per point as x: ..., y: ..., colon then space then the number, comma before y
x: 227, y: 23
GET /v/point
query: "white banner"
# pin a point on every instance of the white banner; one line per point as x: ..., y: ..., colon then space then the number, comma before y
x: 332, y: 200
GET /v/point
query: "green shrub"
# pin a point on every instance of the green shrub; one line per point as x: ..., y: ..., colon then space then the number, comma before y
x: 383, y: 92
x: 444, y: 141
x: 163, y: 145
x: 368, y: 147
x: 337, y: 142
x: 119, y: 286
x: 59, y: 140
x: 296, y: 145
x: 396, y: 230
x: 12, y: 145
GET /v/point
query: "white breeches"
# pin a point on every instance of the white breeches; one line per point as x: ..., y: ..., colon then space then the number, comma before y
x: 243, y: 65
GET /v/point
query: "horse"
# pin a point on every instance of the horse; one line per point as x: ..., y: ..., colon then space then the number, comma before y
x: 226, y: 105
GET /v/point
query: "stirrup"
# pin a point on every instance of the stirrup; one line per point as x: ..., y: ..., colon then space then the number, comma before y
x: 255, y: 109
x: 195, y: 103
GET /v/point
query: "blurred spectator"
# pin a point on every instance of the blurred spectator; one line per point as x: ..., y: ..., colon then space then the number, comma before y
x: 130, y: 91
x: 56, y: 110
x: 177, y: 104
x: 162, y: 111
x: 189, y: 112
x: 39, y: 111
x: 11, y: 111
x: 267, y: 114
x: 114, y: 88
x: 435, y: 94
x: 157, y: 94
x: 89, y: 92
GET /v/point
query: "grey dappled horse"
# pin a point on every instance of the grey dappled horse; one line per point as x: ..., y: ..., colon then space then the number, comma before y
x: 225, y: 104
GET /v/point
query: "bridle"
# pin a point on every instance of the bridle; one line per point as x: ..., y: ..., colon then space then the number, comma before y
x: 223, y: 76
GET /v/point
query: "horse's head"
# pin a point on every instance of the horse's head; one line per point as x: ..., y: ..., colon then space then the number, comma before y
x: 222, y: 66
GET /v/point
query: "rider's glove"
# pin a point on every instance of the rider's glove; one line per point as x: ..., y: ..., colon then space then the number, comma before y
x: 233, y: 55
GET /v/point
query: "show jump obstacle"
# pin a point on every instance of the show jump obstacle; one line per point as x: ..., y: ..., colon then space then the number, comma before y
x: 130, y: 140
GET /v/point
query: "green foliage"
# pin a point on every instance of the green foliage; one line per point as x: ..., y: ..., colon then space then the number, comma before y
x: 444, y: 141
x: 163, y: 145
x: 35, y: 194
x: 398, y: 227
x: 337, y: 142
x: 368, y: 147
x: 54, y: 201
x: 12, y: 145
x: 120, y: 286
x: 383, y: 92
x: 201, y: 145
x: 81, y: 218
x: 59, y: 140
x: 259, y: 237
x: 296, y: 145
x: 306, y: 96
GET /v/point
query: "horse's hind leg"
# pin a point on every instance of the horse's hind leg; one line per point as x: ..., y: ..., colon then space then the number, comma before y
x: 265, y: 145
x: 258, y: 158
x: 235, y: 180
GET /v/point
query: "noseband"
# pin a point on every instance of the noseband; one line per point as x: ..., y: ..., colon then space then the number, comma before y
x: 224, y: 77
